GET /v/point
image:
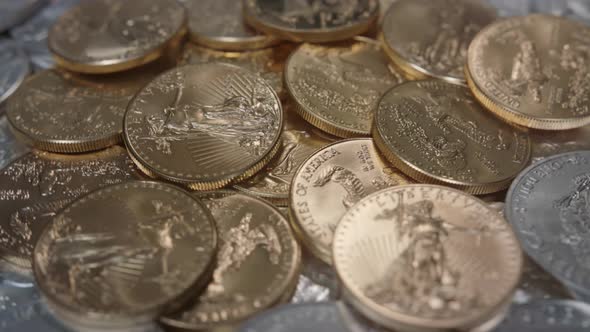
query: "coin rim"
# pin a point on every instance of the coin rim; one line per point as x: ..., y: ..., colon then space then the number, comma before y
x: 398, y: 319
x: 16, y: 85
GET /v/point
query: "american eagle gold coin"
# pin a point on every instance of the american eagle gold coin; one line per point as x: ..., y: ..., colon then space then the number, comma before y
x: 429, y: 39
x: 423, y: 257
x: 337, y: 88
x: 533, y: 71
x: 436, y: 132
x: 330, y: 182
x: 204, y: 126
x: 314, y: 21
x: 257, y: 263
x: 105, y: 36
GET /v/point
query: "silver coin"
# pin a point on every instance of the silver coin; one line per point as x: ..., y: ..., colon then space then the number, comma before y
x: 10, y: 147
x: 22, y: 309
x: 549, y: 207
x: 13, y: 12
x: 579, y: 295
x: 32, y: 34
x: 14, y: 66
x: 309, y: 317
x: 537, y: 284
x: 512, y: 7
x: 547, y: 316
x: 309, y: 291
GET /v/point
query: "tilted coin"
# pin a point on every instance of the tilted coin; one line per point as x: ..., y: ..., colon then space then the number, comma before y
x: 423, y: 257
x: 548, y: 206
x: 526, y: 78
x: 315, y: 21
x: 62, y: 112
x: 430, y: 38
x: 124, y: 254
x: 337, y: 88
x: 14, y: 12
x: 257, y: 262
x: 105, y: 36
x: 324, y: 316
x: 11, y: 147
x: 32, y: 34
x: 549, y: 143
x: 267, y: 63
x: 331, y: 181
x: 15, y: 67
x: 219, y: 24
x: 36, y: 186
x: 298, y: 143
x: 220, y: 123
x: 436, y: 132
x: 547, y: 316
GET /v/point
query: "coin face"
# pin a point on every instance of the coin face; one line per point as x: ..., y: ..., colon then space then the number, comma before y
x: 123, y: 254
x: 531, y: 80
x: 220, y: 123
x: 314, y: 21
x: 104, y: 36
x: 14, y: 12
x: 267, y: 63
x: 436, y: 132
x: 219, y: 25
x: 430, y: 38
x: 299, y: 142
x: 36, y: 186
x: 329, y: 183
x: 15, y: 67
x: 252, y: 279
x: 11, y: 147
x: 424, y: 257
x: 547, y: 316
x: 62, y: 112
x: 549, y: 143
x: 548, y: 208
x: 337, y: 88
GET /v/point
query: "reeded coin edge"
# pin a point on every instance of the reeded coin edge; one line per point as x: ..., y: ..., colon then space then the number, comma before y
x: 405, y: 321
x: 234, y: 44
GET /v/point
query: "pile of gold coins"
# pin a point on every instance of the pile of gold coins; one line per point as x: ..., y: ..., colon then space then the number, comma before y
x: 191, y: 158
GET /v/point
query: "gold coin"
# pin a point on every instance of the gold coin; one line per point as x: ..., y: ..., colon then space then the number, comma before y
x: 337, y: 88
x: 219, y: 24
x: 533, y: 71
x: 204, y: 126
x: 36, y: 186
x: 332, y: 181
x: 105, y: 36
x: 124, y: 254
x: 267, y: 63
x: 67, y: 113
x: 426, y: 258
x: 436, y: 132
x: 430, y: 38
x: 298, y: 143
x: 314, y: 21
x: 257, y: 263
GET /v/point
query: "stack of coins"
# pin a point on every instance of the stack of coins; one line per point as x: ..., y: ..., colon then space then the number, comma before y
x: 190, y: 165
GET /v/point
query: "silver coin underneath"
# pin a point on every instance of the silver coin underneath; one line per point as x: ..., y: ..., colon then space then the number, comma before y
x: 13, y: 12
x: 14, y: 67
x: 547, y: 316
x: 11, y: 148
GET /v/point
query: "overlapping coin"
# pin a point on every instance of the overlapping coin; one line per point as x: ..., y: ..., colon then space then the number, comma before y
x: 11, y: 147
x: 15, y: 68
x: 105, y: 36
x: 122, y: 255
x: 436, y: 132
x: 221, y: 123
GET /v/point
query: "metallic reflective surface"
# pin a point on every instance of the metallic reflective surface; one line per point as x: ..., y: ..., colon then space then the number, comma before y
x: 11, y: 148
x: 14, y: 12
x: 549, y: 143
x: 547, y: 316
x: 15, y: 67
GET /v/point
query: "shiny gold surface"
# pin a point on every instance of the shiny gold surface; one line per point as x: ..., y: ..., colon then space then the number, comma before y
x: 219, y: 24
x: 430, y: 38
x: 67, y: 113
x: 329, y: 183
x: 436, y: 132
x: 533, y: 71
x: 257, y: 264
x: 105, y: 36
x: 220, y: 123
x: 314, y: 21
x: 426, y: 258
x: 337, y: 88
x: 299, y: 142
